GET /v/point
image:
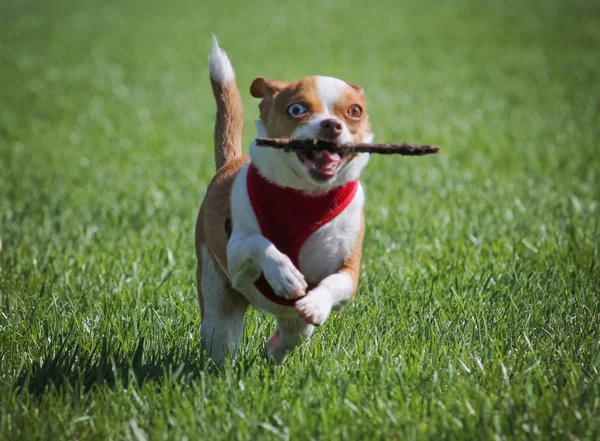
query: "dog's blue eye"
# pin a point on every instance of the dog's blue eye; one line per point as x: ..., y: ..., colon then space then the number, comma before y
x: 296, y: 110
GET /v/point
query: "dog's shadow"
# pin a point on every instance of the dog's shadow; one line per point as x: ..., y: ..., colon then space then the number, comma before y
x: 74, y: 367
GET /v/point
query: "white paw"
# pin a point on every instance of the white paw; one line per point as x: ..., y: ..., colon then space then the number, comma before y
x: 315, y: 307
x: 284, y: 277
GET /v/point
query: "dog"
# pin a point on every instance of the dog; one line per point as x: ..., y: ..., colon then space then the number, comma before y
x: 280, y: 230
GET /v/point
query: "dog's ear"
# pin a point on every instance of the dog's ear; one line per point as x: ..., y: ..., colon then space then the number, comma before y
x: 356, y: 87
x: 262, y: 87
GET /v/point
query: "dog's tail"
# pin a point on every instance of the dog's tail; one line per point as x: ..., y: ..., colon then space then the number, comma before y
x: 230, y: 113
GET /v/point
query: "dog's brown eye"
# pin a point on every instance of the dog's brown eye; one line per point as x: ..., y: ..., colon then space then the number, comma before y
x: 355, y: 111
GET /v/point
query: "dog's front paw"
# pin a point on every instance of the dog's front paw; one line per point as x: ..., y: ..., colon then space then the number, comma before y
x: 315, y: 307
x: 284, y: 278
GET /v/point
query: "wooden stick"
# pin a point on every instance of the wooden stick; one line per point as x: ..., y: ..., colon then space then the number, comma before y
x: 404, y: 149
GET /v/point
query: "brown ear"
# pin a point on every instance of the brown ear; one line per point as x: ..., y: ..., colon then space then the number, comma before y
x: 355, y: 87
x: 262, y: 87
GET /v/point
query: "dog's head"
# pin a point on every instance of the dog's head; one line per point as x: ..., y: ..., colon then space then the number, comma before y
x: 313, y: 108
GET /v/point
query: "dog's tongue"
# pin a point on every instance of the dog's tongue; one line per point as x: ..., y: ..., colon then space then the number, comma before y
x: 325, y: 160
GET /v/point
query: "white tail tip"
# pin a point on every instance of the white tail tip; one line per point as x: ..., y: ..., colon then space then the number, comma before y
x: 221, y: 69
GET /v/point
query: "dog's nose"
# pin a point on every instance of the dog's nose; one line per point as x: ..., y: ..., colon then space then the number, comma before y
x: 330, y: 129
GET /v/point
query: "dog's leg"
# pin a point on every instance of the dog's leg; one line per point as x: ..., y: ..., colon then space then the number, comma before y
x: 247, y: 256
x: 223, y: 311
x: 291, y: 332
x: 334, y: 290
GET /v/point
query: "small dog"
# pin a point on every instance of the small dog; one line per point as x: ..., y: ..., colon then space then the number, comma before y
x: 280, y: 230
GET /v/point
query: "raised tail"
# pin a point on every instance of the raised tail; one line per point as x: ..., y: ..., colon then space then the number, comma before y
x: 230, y: 113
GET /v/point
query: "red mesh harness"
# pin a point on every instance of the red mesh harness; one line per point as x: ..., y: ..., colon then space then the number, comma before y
x: 287, y: 217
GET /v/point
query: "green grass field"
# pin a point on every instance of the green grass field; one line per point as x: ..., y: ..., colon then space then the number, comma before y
x: 478, y: 311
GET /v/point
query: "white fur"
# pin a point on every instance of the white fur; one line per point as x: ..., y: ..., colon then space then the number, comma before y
x: 221, y: 333
x: 311, y: 129
x: 329, y: 90
x: 221, y: 69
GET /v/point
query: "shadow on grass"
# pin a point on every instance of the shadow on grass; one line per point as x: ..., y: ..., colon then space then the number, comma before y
x: 73, y: 367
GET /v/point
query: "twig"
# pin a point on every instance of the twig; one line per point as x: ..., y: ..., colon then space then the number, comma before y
x: 384, y: 149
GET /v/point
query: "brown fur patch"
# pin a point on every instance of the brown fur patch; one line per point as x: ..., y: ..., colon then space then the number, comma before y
x: 262, y: 87
x: 229, y: 122
x: 273, y: 107
x: 210, y: 225
x: 358, y: 127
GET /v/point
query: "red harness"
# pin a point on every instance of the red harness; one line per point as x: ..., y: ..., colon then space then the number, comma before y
x: 287, y: 217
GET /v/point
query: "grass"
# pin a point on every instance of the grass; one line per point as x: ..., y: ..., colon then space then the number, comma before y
x: 478, y: 310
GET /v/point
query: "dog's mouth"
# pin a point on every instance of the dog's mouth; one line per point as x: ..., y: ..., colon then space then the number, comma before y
x: 322, y: 165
